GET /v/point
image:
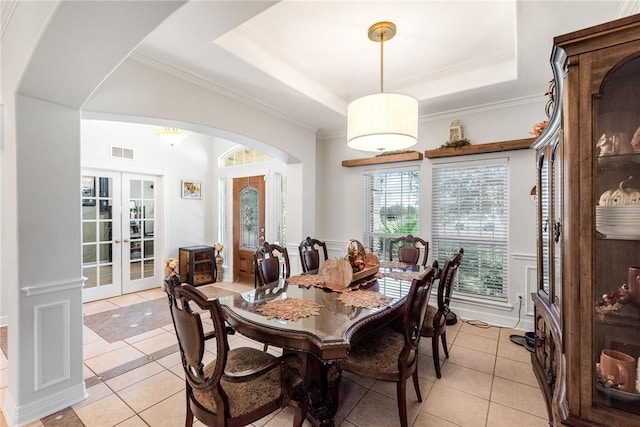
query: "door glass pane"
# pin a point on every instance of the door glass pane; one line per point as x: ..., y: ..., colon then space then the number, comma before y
x: 135, y: 271
x: 89, y: 210
x: 106, y: 274
x: 147, y: 188
x: 249, y: 218
x: 135, y: 189
x: 88, y: 232
x: 105, y: 231
x: 149, y: 266
x: 90, y: 273
x: 89, y: 254
x: 148, y: 209
x: 105, y: 253
x: 148, y: 228
x: 148, y: 248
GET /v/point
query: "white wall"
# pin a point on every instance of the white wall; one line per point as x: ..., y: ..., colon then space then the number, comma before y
x: 340, y: 192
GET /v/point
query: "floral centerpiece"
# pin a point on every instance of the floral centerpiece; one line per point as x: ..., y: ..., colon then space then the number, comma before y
x: 170, y: 267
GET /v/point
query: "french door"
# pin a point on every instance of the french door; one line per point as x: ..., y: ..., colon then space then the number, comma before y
x: 248, y: 225
x: 119, y: 242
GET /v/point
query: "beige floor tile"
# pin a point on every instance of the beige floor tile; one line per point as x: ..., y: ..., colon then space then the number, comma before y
x: 462, y: 356
x: 126, y: 300
x: 97, y: 392
x: 107, y: 411
x: 87, y: 373
x: 168, y: 412
x: 284, y: 418
x: 516, y: 371
x: 365, y: 382
x: 476, y: 342
x: 425, y: 419
x: 100, y: 306
x: 466, y: 380
x: 388, y: 389
x: 487, y: 332
x: 88, y: 336
x: 503, y: 416
x: 376, y: 410
x: 518, y: 396
x: 97, y: 348
x: 156, y: 343
x: 174, y: 359
x: 456, y: 406
x: 134, y: 421
x: 505, y: 333
x: 154, y: 293
x: 349, y: 394
x: 509, y: 350
x: 136, y: 375
x: 426, y: 368
x: 104, y: 362
x: 148, y: 392
x: 146, y: 335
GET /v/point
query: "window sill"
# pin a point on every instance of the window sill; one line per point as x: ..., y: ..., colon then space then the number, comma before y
x: 492, y: 147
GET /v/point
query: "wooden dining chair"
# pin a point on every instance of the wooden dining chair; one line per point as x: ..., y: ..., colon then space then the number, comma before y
x: 391, y: 353
x: 408, y: 249
x: 309, y: 250
x: 241, y: 385
x: 267, y: 263
x: 435, y: 326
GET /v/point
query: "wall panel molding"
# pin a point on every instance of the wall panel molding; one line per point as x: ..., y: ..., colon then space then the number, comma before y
x: 51, y: 344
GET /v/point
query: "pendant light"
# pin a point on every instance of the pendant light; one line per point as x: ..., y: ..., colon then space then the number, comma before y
x: 382, y: 121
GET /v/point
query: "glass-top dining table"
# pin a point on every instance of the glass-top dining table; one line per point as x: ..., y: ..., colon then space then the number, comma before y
x: 333, y: 322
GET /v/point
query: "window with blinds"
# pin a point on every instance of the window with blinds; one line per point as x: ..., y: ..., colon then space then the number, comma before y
x: 390, y: 207
x: 470, y: 211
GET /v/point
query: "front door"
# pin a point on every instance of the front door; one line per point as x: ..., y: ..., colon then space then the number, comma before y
x: 118, y: 234
x: 248, y: 225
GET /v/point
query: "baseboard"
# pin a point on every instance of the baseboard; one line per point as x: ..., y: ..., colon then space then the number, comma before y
x: 35, y: 410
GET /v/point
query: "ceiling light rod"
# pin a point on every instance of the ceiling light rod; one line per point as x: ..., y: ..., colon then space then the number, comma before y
x: 381, y: 32
x: 382, y: 121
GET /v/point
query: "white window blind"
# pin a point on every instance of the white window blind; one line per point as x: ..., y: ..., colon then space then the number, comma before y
x: 470, y: 211
x: 390, y: 207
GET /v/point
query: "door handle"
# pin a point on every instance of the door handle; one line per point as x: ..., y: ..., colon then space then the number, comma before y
x: 116, y: 241
x: 126, y: 240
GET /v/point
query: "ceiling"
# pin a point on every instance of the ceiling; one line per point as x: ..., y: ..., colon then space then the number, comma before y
x: 308, y: 59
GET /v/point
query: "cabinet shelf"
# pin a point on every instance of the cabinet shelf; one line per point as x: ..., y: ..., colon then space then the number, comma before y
x: 491, y: 147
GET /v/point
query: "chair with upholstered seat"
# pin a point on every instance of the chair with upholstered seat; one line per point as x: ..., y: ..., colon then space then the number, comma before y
x: 267, y: 263
x: 309, y: 250
x: 391, y: 353
x: 408, y: 249
x: 435, y: 326
x: 241, y: 385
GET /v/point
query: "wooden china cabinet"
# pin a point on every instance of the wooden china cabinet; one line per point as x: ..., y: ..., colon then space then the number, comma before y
x: 589, y: 228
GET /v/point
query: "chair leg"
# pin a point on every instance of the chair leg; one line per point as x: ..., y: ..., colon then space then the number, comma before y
x: 401, y: 392
x: 188, y: 421
x: 299, y: 414
x: 435, y: 344
x: 416, y: 384
x: 444, y: 344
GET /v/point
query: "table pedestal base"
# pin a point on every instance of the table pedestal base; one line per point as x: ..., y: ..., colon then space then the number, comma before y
x: 322, y: 380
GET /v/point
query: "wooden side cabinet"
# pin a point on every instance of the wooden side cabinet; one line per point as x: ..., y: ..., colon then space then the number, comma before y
x: 197, y: 265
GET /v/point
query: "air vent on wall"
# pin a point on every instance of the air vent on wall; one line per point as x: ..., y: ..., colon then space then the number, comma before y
x: 126, y: 153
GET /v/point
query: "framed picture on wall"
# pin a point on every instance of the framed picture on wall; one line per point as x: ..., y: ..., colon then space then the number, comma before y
x: 191, y: 189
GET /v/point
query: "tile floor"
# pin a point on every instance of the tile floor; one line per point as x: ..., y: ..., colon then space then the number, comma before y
x: 487, y: 381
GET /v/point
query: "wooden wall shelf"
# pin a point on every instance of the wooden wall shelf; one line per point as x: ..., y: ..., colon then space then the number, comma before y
x: 516, y: 144
x: 388, y: 158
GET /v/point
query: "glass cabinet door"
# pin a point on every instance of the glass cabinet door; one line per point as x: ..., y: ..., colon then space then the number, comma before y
x: 616, y: 217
